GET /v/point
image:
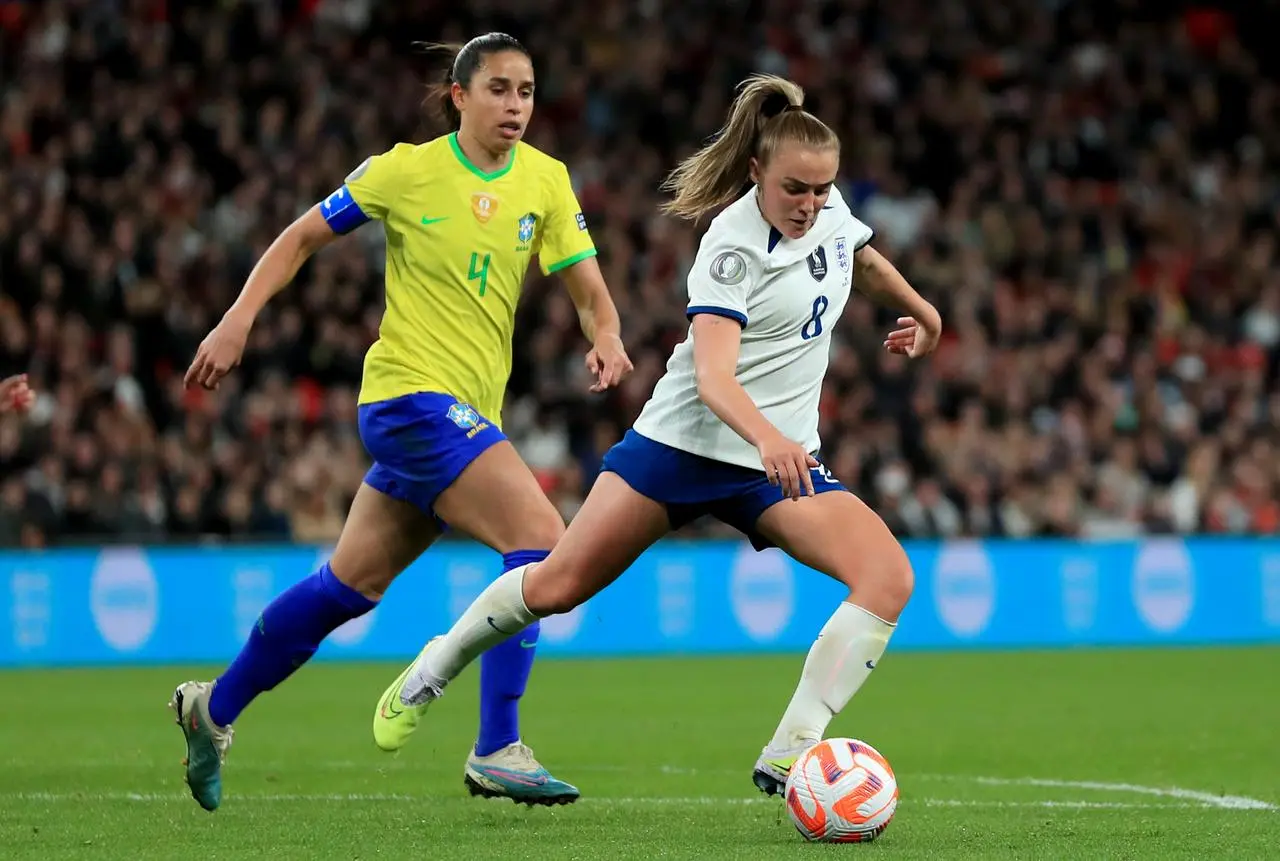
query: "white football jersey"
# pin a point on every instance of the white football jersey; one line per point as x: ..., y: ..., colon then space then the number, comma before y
x: 786, y: 294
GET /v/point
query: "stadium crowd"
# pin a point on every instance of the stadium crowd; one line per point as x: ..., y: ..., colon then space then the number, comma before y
x: 1088, y: 191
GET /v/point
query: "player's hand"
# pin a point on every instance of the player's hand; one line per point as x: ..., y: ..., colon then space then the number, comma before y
x: 787, y: 465
x: 915, y: 337
x: 608, y: 362
x: 15, y: 395
x: 219, y: 352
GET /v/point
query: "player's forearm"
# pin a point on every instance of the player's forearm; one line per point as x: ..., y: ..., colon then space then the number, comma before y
x: 597, y: 315
x: 280, y: 263
x: 272, y: 273
x: 725, y: 396
x: 601, y: 320
x: 881, y: 281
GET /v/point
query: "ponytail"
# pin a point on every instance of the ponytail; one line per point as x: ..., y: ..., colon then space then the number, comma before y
x: 439, y: 99
x: 767, y: 111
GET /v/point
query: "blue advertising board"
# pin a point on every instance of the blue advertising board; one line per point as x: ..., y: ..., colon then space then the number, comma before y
x: 122, y: 605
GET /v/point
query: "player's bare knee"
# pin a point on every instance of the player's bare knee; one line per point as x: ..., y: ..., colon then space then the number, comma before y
x: 899, y: 579
x: 889, y: 585
x: 881, y: 583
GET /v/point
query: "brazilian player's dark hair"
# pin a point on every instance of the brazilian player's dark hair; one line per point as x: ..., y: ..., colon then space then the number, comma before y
x: 464, y: 60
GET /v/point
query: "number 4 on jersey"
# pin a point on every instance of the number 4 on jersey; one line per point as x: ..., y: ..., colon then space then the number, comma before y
x: 482, y: 273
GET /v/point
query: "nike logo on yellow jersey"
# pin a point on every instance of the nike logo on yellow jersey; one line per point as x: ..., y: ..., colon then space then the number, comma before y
x: 426, y: 221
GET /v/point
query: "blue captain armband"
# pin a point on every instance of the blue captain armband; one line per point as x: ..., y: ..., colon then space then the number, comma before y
x: 341, y: 212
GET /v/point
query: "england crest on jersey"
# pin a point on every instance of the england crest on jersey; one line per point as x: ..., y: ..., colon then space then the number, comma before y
x: 817, y: 263
x: 842, y: 253
x: 526, y: 225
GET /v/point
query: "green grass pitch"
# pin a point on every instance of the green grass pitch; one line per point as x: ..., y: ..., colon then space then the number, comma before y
x: 1091, y: 754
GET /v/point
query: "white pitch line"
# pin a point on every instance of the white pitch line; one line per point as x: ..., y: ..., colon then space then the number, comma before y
x: 678, y: 772
x: 1051, y: 804
x: 659, y: 801
x: 1205, y: 799
x: 1184, y: 798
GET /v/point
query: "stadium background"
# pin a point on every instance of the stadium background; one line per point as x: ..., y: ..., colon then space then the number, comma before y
x: 1090, y: 201
x: 1088, y: 190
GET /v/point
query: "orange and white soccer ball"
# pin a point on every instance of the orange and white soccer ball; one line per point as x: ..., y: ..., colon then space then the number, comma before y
x: 841, y: 790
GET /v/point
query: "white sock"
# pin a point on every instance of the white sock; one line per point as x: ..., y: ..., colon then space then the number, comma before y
x: 495, y: 615
x: 840, y: 660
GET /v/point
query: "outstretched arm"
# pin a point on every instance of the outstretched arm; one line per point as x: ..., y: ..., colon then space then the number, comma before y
x: 365, y: 195
x: 281, y: 262
x: 221, y: 350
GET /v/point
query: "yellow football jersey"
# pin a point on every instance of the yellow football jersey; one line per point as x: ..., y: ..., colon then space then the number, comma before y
x: 459, y: 241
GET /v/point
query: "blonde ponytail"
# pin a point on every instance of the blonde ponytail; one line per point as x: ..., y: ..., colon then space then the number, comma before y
x: 767, y: 111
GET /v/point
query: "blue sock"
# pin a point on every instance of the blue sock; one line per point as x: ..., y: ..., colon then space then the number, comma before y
x: 504, y: 674
x: 286, y: 635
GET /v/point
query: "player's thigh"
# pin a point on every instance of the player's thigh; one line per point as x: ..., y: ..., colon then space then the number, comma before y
x: 381, y: 537
x: 496, y: 500
x: 838, y: 534
x: 451, y: 462
x: 614, y: 526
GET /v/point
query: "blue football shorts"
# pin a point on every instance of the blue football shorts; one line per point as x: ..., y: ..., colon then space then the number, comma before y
x: 421, y: 443
x: 690, y: 486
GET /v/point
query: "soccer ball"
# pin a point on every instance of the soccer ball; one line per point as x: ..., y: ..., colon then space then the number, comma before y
x: 841, y: 790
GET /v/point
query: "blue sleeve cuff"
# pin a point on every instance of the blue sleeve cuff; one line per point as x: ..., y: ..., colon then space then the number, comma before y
x: 341, y: 212
x: 694, y: 310
x: 865, y: 242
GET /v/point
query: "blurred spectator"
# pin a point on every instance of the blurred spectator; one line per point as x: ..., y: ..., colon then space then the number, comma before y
x: 1087, y: 190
